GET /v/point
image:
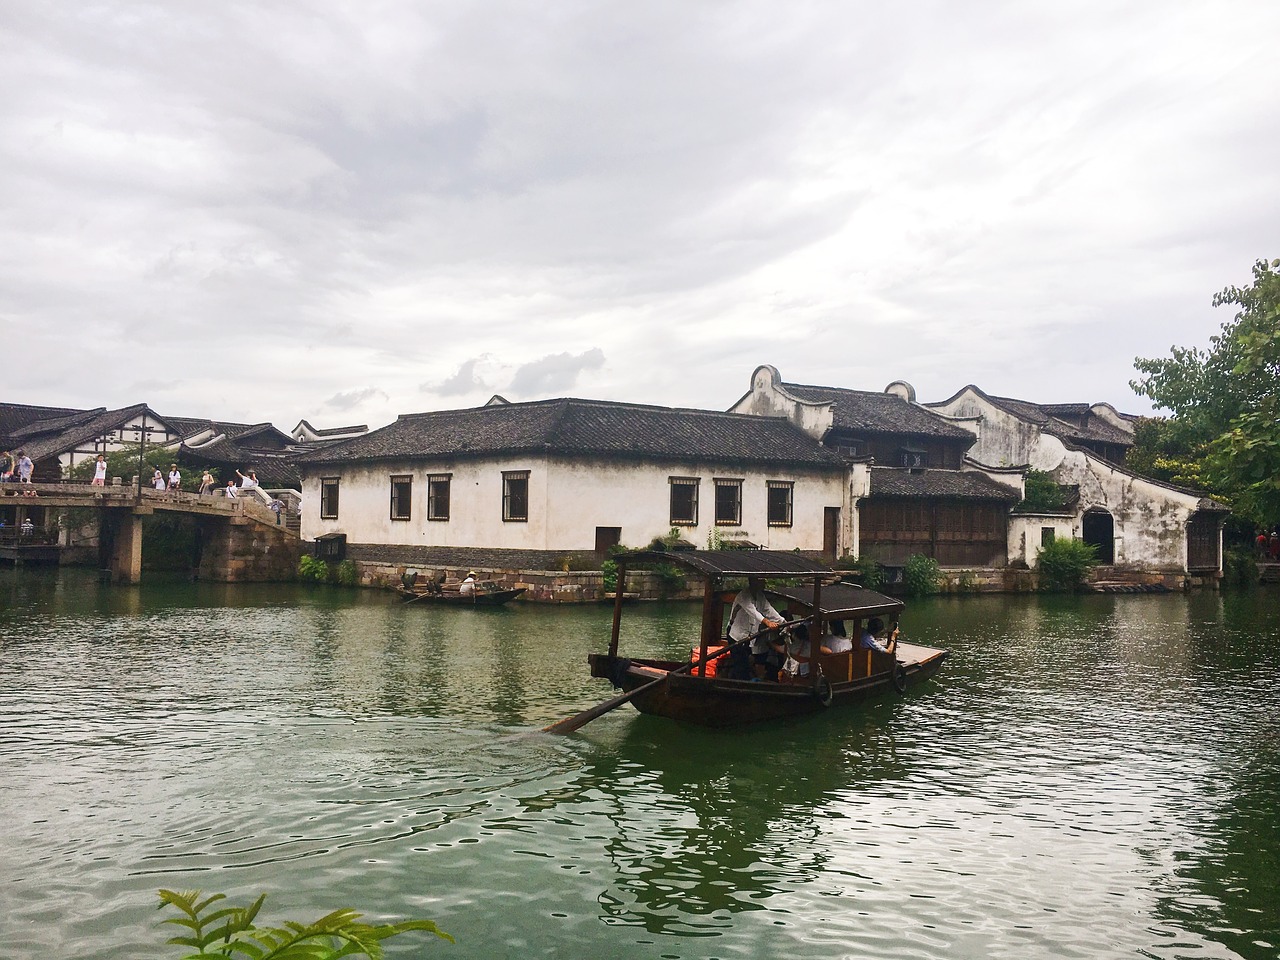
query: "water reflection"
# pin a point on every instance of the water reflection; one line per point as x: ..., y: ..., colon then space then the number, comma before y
x: 1088, y: 777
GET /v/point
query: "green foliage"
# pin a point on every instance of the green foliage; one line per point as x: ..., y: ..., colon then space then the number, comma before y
x: 866, y: 571
x: 1163, y: 450
x: 346, y: 574
x: 921, y: 575
x: 216, y: 930
x: 609, y: 580
x: 1064, y: 564
x: 670, y: 578
x: 1225, y: 402
x: 1239, y: 568
x: 1041, y: 494
x: 312, y: 569
x: 967, y: 582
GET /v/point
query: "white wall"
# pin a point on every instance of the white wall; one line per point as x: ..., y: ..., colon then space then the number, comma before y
x: 567, y: 501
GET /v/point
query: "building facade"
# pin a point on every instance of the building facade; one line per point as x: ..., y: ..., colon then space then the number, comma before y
x: 575, y: 475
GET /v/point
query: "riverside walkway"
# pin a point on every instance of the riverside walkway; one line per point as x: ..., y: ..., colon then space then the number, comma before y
x: 237, y: 536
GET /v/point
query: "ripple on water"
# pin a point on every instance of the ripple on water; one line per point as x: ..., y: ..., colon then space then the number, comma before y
x: 1064, y: 789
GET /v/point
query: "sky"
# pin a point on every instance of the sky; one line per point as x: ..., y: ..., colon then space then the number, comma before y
x: 345, y: 211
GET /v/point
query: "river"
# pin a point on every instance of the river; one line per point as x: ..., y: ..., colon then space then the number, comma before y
x: 1088, y: 777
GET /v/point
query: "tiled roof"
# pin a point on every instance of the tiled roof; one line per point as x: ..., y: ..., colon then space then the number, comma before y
x: 80, y: 430
x: 1046, y: 416
x: 951, y: 484
x: 585, y: 428
x: 870, y: 412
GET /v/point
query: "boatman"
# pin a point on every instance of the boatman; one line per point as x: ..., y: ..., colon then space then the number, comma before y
x: 468, y: 586
x: 753, y: 616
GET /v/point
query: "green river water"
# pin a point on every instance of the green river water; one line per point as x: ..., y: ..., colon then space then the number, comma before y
x: 1088, y: 777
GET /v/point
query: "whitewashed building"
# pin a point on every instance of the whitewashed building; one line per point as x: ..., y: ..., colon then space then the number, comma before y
x: 1136, y: 523
x: 574, y: 475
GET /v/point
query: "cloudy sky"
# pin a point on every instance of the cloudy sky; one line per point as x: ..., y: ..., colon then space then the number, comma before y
x: 348, y: 210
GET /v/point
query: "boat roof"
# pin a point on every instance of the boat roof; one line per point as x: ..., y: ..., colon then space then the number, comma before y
x: 841, y: 600
x: 732, y: 563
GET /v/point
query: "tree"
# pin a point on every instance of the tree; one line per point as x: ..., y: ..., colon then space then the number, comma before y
x: 1224, y: 403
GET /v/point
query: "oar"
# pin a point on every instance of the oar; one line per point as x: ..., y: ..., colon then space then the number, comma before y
x: 570, y: 724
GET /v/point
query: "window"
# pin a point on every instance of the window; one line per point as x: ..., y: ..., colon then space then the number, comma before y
x: 401, y: 497
x: 438, y: 496
x: 329, y: 498
x: 1047, y: 536
x: 728, y: 503
x: 780, y: 503
x: 515, y: 496
x: 913, y: 458
x: 684, y: 501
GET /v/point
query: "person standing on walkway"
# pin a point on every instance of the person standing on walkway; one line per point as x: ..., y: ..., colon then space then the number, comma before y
x: 157, y: 480
x: 100, y: 472
x: 25, y: 467
x: 247, y: 483
x: 206, y: 483
x: 175, y: 478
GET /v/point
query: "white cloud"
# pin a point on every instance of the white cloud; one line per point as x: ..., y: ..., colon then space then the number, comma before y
x: 253, y: 207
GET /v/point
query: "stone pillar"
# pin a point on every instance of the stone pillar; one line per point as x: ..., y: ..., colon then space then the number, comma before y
x: 126, y: 555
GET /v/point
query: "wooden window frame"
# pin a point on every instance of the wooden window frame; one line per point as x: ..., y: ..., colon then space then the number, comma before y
x: 434, y: 513
x: 330, y: 489
x: 510, y: 515
x: 402, y: 501
x: 726, y: 483
x: 691, y: 483
x: 788, y: 487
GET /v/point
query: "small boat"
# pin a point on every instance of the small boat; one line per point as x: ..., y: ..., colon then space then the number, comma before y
x: 487, y: 593
x: 706, y: 691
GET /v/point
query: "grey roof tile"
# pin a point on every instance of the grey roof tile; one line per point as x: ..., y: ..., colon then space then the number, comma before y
x: 584, y: 428
x: 870, y: 412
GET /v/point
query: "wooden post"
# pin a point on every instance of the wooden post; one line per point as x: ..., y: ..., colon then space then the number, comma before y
x: 815, y: 631
x: 708, y: 605
x: 618, y: 590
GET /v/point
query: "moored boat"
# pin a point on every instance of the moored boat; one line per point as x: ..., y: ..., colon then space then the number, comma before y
x: 711, y: 688
x: 486, y: 593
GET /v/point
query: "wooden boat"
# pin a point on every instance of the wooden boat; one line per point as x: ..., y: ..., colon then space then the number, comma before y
x: 710, y: 695
x: 488, y: 593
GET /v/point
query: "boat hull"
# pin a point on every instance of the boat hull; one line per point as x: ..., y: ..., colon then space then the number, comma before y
x: 718, y: 702
x: 495, y: 598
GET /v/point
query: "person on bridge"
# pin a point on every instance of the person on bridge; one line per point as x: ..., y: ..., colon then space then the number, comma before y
x: 175, y: 478
x: 25, y: 467
x: 100, y: 472
x: 157, y: 480
x: 231, y: 489
x: 249, y: 482
x: 206, y: 483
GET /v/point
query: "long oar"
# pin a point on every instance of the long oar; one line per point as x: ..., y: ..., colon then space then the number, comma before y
x: 570, y: 724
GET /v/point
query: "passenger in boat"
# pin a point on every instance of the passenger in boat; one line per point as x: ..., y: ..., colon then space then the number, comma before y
x: 870, y: 640
x: 468, y: 586
x: 837, y: 641
x: 753, y: 617
x: 797, y: 662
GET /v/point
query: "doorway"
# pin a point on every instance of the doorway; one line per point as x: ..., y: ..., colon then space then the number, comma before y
x: 1099, y: 529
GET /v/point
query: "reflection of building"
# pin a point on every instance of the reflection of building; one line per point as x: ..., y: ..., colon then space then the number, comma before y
x: 576, y: 475
x: 1136, y: 523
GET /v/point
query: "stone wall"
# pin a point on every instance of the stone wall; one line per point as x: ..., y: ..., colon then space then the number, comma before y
x: 244, y: 551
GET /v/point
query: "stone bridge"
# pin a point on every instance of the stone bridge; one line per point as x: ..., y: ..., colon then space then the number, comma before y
x: 238, y: 539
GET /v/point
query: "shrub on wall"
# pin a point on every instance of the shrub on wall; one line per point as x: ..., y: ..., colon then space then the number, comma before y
x: 1064, y: 564
x: 921, y: 575
x: 865, y: 570
x: 1041, y: 494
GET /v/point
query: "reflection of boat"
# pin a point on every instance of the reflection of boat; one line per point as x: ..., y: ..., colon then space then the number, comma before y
x: 487, y: 593
x: 720, y: 695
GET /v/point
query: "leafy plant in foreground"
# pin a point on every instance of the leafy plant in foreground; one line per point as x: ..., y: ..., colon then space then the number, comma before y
x: 228, y: 931
x: 921, y: 575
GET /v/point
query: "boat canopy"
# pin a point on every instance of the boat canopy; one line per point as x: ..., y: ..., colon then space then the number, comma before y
x: 732, y: 563
x: 842, y: 601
